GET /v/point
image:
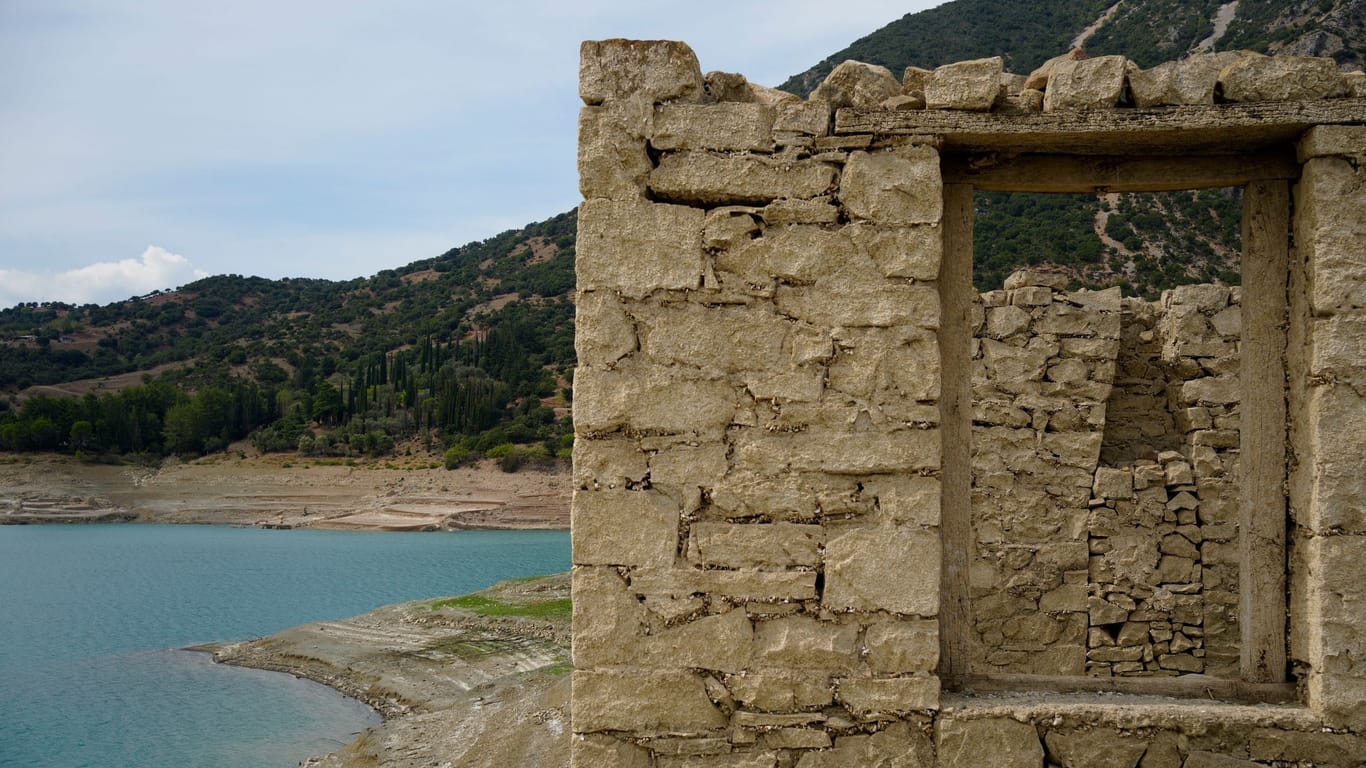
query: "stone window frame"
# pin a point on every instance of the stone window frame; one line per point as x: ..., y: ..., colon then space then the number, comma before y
x: 1265, y: 176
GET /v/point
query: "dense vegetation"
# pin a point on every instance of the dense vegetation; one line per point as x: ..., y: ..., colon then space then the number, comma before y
x: 469, y: 352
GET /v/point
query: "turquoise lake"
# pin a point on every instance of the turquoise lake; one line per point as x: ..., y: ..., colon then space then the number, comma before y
x: 91, y: 618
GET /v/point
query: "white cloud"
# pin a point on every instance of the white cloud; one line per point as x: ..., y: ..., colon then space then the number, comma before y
x: 101, y: 282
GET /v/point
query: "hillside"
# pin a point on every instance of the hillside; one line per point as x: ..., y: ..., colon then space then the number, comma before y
x: 469, y: 353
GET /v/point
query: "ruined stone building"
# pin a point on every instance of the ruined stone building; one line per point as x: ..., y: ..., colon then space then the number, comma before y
x: 834, y: 507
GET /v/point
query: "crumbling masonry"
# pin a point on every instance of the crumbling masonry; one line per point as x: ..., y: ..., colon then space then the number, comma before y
x: 835, y: 508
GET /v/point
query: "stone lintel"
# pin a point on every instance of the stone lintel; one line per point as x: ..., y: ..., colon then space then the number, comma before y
x: 1218, y: 129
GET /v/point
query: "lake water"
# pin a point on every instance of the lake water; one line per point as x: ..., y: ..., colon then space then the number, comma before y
x: 91, y: 617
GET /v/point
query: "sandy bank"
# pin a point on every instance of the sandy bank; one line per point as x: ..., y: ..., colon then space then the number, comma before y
x: 284, y: 491
x: 457, y: 686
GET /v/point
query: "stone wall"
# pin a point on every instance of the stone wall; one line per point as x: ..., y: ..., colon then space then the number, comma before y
x: 763, y: 565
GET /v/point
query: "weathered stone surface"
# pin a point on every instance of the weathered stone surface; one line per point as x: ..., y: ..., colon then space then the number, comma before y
x: 800, y: 642
x: 777, y: 690
x: 715, y: 338
x: 1297, y: 746
x: 997, y: 742
x: 756, y: 545
x: 881, y: 304
x: 701, y: 465
x: 623, y: 528
x: 728, y: 86
x: 637, y: 248
x: 899, y: 745
x: 1329, y: 230
x: 607, y: 752
x: 748, y: 585
x: 887, y: 568
x: 725, y: 126
x: 967, y: 85
x: 841, y: 453
x: 710, y: 179
x: 908, y: 252
x: 613, y: 160
x: 855, y: 84
x: 1098, y: 748
x: 1202, y: 759
x: 718, y: 642
x: 818, y: 211
x: 1281, y: 78
x: 893, y: 188
x: 1038, y: 79
x: 913, y: 81
x: 903, y: 499
x: 900, y: 647
x: 642, y: 700
x: 658, y: 70
x: 800, y: 253
x: 1331, y: 140
x: 757, y: 759
x: 1188, y: 81
x: 806, y: 118
x: 873, y: 697
x: 608, y: 464
x: 607, y: 617
x: 603, y: 334
x: 650, y: 399
x: 1087, y: 84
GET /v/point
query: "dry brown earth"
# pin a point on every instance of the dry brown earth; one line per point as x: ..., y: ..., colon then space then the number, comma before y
x: 284, y: 491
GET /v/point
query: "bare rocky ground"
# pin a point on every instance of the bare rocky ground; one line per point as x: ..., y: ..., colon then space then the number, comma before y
x: 283, y: 491
x: 457, y: 687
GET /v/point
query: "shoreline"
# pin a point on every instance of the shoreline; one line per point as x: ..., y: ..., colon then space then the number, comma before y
x: 284, y: 491
x: 467, y: 680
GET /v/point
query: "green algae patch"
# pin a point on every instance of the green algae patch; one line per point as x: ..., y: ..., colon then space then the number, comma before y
x: 487, y: 606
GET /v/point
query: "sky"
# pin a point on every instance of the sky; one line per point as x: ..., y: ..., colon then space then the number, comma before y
x: 147, y: 143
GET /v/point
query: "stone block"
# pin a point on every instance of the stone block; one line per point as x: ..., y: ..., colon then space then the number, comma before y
x: 603, y: 334
x: 650, y: 399
x: 1332, y: 140
x: 883, y: 363
x: 607, y: 617
x: 998, y: 742
x: 1038, y: 79
x: 608, y: 464
x: 906, y: 499
x: 1211, y: 390
x: 1329, y: 230
x: 1202, y: 759
x: 966, y: 85
x: 728, y: 126
x: 1319, y: 748
x: 1336, y: 437
x: 601, y: 751
x: 902, y: 647
x: 1096, y: 748
x: 901, y: 252
x: 744, y: 585
x: 637, y: 248
x: 700, y: 466
x: 706, y: 178
x: 818, y: 211
x: 726, y: 339
x: 1173, y: 83
x: 802, y: 642
x: 883, y: 698
x: 1281, y: 78
x: 856, y: 84
x: 643, y: 700
x: 732, y: 545
x: 719, y: 642
x: 806, y: 118
x: 613, y: 160
x: 797, y: 738
x: 657, y: 70
x: 900, y: 187
x: 836, y: 303
x: 840, y: 453
x: 884, y: 568
x: 757, y: 759
x: 799, y: 253
x: 777, y: 690
x: 1338, y: 350
x: 899, y: 745
x: 1087, y: 84
x: 630, y: 528
x: 1113, y: 484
